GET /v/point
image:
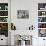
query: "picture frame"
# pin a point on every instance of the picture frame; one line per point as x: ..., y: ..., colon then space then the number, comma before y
x: 22, y: 14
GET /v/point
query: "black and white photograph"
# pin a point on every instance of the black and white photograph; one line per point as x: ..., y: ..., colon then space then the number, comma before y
x: 22, y: 14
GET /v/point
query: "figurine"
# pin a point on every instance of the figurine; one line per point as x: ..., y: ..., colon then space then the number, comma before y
x: 13, y: 27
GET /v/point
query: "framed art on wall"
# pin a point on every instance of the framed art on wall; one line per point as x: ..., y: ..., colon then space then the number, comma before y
x: 22, y: 14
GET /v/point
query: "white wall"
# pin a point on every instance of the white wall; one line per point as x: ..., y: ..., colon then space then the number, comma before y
x: 3, y: 1
x: 23, y: 24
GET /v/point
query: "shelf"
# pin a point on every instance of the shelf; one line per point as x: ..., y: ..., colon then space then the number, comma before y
x: 41, y: 22
x: 3, y: 22
x: 3, y: 16
x: 41, y: 10
x: 41, y: 28
x: 42, y: 16
x: 3, y: 10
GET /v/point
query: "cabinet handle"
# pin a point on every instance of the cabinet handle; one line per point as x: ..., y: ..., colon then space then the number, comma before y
x: 1, y: 39
x: 43, y: 39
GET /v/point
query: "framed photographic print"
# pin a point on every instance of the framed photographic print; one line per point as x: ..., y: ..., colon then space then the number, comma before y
x: 22, y: 14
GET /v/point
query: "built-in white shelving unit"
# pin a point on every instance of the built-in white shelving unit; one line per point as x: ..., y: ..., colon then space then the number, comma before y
x: 42, y: 19
x: 4, y: 22
x: 4, y: 19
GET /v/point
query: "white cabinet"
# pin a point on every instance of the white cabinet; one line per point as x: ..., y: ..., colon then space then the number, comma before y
x: 42, y: 24
x: 42, y: 19
x: 41, y: 41
x: 3, y: 40
x: 4, y: 21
